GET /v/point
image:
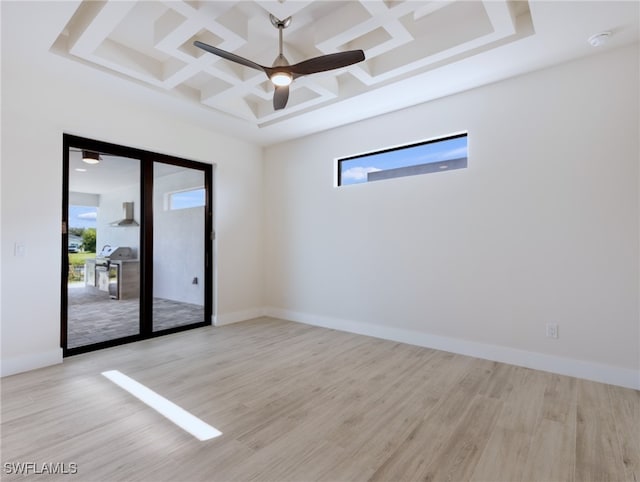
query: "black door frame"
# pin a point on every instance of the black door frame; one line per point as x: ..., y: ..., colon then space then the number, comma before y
x: 147, y: 160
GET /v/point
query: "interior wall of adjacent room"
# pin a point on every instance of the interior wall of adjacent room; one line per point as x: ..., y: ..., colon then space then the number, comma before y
x: 83, y: 199
x: 110, y: 210
x: 178, y: 245
x: 542, y: 226
x: 36, y: 111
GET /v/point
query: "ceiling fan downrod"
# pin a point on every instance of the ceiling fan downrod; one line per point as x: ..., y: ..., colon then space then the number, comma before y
x: 280, y: 78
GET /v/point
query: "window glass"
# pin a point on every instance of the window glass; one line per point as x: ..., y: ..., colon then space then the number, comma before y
x: 191, y: 198
x: 436, y: 155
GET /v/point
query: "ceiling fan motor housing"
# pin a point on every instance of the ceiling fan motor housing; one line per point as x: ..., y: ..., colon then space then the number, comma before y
x: 280, y: 61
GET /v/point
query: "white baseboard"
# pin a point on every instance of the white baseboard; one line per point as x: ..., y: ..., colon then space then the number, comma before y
x: 236, y: 316
x: 540, y: 361
x: 11, y: 366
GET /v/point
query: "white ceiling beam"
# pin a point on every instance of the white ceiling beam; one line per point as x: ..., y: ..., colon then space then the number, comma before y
x: 501, y: 17
x: 99, y: 27
x: 430, y: 8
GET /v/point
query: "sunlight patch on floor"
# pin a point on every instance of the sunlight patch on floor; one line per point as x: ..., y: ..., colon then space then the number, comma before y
x: 183, y: 419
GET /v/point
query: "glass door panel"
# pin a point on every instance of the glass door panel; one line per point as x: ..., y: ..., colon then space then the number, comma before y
x: 103, y: 287
x: 178, y: 246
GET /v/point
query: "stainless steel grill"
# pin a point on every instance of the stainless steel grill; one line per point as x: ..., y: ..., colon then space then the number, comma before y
x: 113, y: 253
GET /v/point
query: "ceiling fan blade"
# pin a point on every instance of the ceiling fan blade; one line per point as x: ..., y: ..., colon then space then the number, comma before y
x: 229, y: 56
x: 327, y: 62
x: 280, y: 97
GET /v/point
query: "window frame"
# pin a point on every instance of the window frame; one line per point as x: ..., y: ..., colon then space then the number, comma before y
x: 168, y: 198
x: 148, y: 159
x: 340, y: 160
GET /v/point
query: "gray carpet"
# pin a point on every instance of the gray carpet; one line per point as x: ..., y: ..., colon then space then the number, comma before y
x: 94, y: 317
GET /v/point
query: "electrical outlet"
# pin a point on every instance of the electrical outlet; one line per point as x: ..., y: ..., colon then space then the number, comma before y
x: 552, y: 330
x: 19, y: 250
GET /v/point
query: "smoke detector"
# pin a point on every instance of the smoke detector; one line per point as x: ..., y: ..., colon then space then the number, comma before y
x: 599, y: 39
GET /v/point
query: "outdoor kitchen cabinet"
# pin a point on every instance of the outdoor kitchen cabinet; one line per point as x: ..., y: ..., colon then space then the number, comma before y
x: 127, y: 282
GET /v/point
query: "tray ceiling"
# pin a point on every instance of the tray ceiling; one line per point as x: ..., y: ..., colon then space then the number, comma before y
x: 417, y: 51
x: 152, y: 43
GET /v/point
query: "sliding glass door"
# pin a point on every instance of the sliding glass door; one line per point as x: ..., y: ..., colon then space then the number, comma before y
x: 103, y: 247
x: 179, y: 214
x: 137, y: 245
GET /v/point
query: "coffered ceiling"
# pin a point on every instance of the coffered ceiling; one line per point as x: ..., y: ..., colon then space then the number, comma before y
x: 415, y: 51
x: 152, y: 42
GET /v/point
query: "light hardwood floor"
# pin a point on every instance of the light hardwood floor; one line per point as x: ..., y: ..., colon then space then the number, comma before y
x: 301, y: 403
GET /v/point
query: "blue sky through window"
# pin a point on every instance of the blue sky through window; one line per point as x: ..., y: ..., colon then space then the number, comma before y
x: 82, y: 216
x: 354, y: 171
x: 187, y: 199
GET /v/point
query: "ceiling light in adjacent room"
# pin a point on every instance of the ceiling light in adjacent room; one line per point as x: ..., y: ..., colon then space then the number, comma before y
x: 90, y: 157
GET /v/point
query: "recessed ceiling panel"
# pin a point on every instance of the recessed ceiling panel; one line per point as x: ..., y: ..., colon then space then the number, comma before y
x: 152, y: 43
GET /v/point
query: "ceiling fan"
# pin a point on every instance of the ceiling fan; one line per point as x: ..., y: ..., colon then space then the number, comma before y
x: 281, y: 73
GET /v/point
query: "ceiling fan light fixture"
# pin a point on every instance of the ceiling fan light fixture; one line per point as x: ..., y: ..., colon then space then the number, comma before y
x: 281, y: 73
x: 90, y: 157
x: 281, y: 79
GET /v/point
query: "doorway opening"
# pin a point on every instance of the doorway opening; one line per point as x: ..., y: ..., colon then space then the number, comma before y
x: 137, y: 245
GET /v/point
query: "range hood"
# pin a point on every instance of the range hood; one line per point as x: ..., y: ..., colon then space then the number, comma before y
x: 128, y: 216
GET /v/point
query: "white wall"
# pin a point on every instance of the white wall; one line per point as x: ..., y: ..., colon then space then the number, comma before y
x: 83, y: 199
x: 110, y: 210
x: 37, y: 108
x: 541, y: 227
x: 178, y: 241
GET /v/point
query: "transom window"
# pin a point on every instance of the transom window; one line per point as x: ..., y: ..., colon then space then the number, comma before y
x: 189, y: 198
x: 435, y: 155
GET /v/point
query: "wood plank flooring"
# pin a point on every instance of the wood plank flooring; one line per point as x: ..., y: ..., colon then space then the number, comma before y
x: 301, y: 403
